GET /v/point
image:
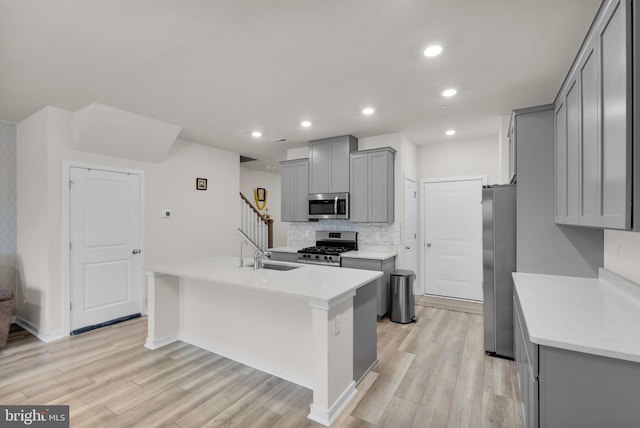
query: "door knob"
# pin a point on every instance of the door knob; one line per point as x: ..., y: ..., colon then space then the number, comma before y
x: 136, y: 251
x: 428, y: 244
x: 407, y: 248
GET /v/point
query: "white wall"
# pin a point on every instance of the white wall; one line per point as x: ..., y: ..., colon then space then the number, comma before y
x: 455, y: 159
x: 251, y: 179
x: 622, y: 254
x: 298, y: 153
x: 203, y: 223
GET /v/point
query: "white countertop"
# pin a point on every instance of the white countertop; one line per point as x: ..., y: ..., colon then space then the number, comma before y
x: 310, y: 281
x: 284, y: 249
x: 370, y: 254
x: 378, y: 254
x: 594, y: 316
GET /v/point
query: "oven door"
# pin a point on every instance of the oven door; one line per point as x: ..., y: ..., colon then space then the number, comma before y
x: 328, y: 205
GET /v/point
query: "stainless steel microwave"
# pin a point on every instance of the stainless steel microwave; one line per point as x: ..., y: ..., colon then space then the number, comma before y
x: 328, y: 205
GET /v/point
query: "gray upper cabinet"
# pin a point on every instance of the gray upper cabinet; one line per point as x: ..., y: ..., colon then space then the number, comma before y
x: 329, y: 164
x: 372, y: 186
x: 295, y: 187
x: 561, y: 161
x: 593, y: 121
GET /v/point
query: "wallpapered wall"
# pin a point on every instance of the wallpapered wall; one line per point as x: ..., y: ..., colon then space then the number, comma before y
x: 8, y: 205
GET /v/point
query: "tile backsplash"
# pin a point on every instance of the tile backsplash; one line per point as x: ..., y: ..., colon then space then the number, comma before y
x: 368, y: 233
x: 8, y: 205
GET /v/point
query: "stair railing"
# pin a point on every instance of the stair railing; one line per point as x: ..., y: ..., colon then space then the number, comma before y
x: 255, y: 225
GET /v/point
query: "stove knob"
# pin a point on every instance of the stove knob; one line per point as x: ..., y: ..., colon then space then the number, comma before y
x: 317, y: 257
x: 330, y: 258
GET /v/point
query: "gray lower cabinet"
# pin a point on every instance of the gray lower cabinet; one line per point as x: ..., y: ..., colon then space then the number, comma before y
x: 383, y: 284
x: 372, y: 186
x: 295, y: 188
x: 284, y: 256
x: 365, y: 333
x: 561, y: 388
x: 329, y: 164
x: 593, y: 124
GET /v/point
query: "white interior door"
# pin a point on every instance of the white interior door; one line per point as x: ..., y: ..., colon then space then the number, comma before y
x: 105, y: 262
x: 410, y: 226
x: 453, y: 238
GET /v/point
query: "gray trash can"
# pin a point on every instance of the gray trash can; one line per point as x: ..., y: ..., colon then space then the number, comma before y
x: 403, y: 302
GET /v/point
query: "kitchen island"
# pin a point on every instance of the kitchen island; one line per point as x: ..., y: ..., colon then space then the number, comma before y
x: 295, y: 324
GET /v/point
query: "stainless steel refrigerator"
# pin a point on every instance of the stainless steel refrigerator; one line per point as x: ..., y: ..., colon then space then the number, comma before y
x: 498, y: 262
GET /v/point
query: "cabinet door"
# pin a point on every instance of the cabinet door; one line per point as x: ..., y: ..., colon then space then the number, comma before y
x: 301, y: 190
x: 561, y: 162
x: 358, y: 188
x: 380, y: 187
x: 573, y: 154
x: 613, y: 39
x: 319, y: 161
x: 288, y: 195
x: 590, y: 169
x: 339, y: 165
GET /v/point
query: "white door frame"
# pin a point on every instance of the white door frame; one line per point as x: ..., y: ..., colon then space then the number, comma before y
x: 66, y: 233
x: 417, y: 229
x: 422, y: 233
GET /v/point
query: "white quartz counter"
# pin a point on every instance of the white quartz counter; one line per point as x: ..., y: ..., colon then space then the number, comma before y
x: 594, y: 316
x: 370, y: 254
x: 285, y: 249
x: 309, y: 281
x: 377, y: 254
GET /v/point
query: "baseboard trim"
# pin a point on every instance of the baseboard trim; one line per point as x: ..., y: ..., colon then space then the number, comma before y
x: 264, y: 366
x: 161, y: 341
x: 327, y: 416
x: 48, y: 337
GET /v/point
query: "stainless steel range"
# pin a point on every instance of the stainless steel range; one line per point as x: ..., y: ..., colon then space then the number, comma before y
x: 328, y: 247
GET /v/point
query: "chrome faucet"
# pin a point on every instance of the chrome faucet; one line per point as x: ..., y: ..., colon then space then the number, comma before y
x: 258, y: 256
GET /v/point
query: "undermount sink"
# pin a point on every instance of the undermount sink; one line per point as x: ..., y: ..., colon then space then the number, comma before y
x: 279, y: 267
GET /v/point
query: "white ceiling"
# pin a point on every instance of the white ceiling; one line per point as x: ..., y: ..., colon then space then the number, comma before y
x: 221, y: 69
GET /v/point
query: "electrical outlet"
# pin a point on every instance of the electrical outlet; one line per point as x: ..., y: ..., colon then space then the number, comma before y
x: 338, y: 324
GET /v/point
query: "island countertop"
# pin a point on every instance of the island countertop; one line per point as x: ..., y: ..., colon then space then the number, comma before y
x: 597, y: 316
x: 309, y: 281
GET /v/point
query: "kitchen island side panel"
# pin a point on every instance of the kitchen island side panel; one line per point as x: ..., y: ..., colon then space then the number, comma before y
x: 267, y: 331
x: 543, y: 246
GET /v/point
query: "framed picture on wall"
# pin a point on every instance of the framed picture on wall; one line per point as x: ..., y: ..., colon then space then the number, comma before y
x: 262, y: 195
x: 201, y: 183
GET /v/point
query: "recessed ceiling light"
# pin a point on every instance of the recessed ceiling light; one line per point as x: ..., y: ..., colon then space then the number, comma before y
x: 449, y: 92
x: 305, y: 124
x: 450, y: 132
x: 433, y: 50
x: 256, y: 134
x: 368, y: 110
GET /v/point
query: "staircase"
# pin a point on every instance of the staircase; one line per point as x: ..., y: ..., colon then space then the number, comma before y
x: 255, y: 225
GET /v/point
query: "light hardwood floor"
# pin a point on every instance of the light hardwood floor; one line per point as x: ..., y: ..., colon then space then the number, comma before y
x: 433, y: 373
